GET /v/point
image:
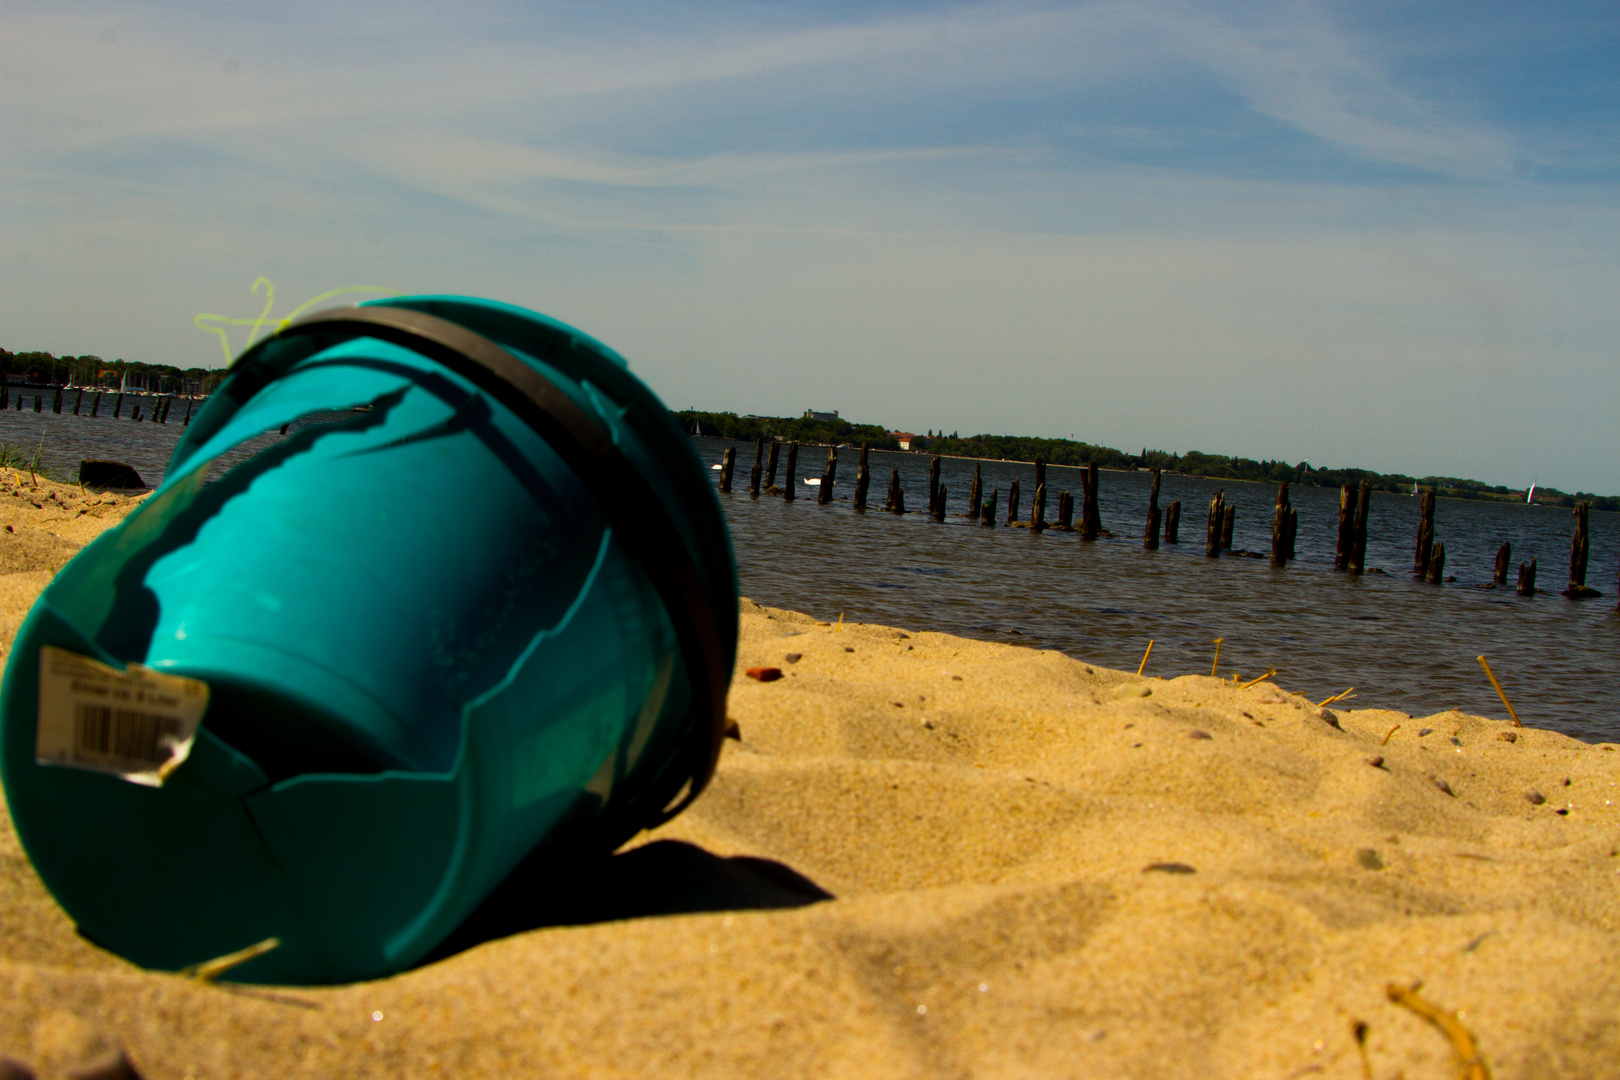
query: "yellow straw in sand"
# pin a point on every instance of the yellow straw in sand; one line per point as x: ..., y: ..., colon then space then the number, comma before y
x: 1143, y: 665
x: 1217, y: 662
x: 213, y: 969
x: 1488, y: 674
x: 1269, y: 673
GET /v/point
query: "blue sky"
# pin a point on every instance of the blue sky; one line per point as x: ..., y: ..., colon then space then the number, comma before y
x: 1384, y: 235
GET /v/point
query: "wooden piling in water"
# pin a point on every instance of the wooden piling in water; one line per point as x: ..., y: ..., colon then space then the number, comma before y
x: 933, y: 482
x: 863, y: 480
x: 95, y: 406
x: 728, y: 461
x: 987, y: 514
x: 1172, y: 522
x: 1150, y: 535
x: 789, y: 480
x: 770, y: 464
x: 1579, y: 548
x: 1347, y: 527
x: 1012, y: 502
x: 1217, y: 518
x: 939, y: 504
x: 1358, y: 533
x: 56, y: 403
x: 1504, y: 559
x: 118, y: 407
x: 39, y: 402
x: 1065, y: 521
x: 1037, y: 508
x: 1527, y: 579
x: 829, y: 478
x: 1279, y: 526
x: 187, y: 421
x: 757, y: 472
x: 5, y: 392
x: 1425, y: 534
x: 1437, y: 564
x: 1090, y: 518
x: 1228, y: 524
x: 897, y: 498
x: 77, y: 399
x: 975, y: 493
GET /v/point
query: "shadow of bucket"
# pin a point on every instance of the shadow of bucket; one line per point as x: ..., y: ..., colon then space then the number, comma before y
x: 481, y: 597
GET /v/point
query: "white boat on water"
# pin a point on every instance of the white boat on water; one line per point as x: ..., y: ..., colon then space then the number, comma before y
x: 1530, y: 498
x: 813, y: 481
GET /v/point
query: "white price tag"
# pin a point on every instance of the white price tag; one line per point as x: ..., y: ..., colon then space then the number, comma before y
x: 137, y: 724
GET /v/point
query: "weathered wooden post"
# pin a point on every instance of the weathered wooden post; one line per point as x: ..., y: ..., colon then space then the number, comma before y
x: 1172, y: 522
x: 939, y: 504
x: 1504, y: 558
x: 1358, y: 546
x: 118, y: 406
x: 1065, y: 521
x: 1578, y: 549
x: 1228, y: 524
x: 788, y: 478
x: 78, y: 398
x: 1425, y: 534
x: 863, y: 480
x: 187, y: 421
x: 1217, y: 518
x: 95, y: 406
x: 1012, y: 502
x: 897, y: 498
x: 830, y: 477
x: 1527, y: 578
x: 56, y: 404
x: 1090, y: 518
x: 1347, y: 527
x: 39, y: 401
x: 1293, y: 530
x: 1437, y: 563
x: 1150, y: 535
x: 975, y: 493
x: 933, y: 482
x: 1037, y: 508
x: 5, y: 392
x: 987, y: 515
x: 728, y: 461
x: 770, y: 464
x: 758, y: 469
x: 1279, y: 526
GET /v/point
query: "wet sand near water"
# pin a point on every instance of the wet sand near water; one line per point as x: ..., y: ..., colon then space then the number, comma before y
x: 928, y: 856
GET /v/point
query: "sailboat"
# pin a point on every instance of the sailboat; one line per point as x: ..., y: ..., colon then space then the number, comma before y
x: 1530, y: 498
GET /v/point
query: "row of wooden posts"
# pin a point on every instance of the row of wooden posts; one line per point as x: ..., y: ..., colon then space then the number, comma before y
x: 159, y: 411
x: 1350, y: 553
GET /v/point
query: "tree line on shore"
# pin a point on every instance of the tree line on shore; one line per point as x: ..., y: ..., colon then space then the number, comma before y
x: 1072, y: 452
x: 46, y: 369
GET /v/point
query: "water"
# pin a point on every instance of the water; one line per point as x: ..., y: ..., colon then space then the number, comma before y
x: 64, y: 440
x: 1401, y: 643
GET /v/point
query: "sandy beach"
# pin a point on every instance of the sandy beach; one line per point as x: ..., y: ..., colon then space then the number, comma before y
x: 925, y: 856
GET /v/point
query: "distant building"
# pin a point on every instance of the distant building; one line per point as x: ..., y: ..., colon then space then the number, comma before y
x: 811, y: 414
x: 903, y: 438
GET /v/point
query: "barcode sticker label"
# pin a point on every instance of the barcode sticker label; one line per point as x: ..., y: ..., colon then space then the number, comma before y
x: 137, y: 724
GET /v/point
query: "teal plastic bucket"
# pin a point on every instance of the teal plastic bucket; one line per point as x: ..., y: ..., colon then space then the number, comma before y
x: 479, y: 601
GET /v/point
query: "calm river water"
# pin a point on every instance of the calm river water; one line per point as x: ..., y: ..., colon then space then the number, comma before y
x: 1401, y: 643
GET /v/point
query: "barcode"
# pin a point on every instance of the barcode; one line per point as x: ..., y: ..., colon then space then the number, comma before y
x: 128, y: 735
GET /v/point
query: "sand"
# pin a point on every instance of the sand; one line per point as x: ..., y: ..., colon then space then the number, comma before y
x: 933, y: 857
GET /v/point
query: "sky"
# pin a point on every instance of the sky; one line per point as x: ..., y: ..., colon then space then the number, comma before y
x: 1365, y: 234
